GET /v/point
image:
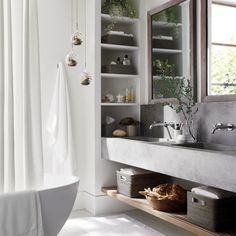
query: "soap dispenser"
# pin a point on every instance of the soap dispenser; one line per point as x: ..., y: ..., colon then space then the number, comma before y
x: 126, y: 60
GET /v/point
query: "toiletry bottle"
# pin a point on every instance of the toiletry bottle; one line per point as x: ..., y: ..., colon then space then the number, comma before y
x: 131, y: 95
x: 127, y: 95
x: 177, y: 132
x: 126, y: 60
x: 118, y: 61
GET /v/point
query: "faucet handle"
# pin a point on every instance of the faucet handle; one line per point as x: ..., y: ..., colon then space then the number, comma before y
x: 230, y: 126
x: 217, y: 125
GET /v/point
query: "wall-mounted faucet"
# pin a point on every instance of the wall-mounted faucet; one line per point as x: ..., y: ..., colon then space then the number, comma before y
x: 220, y: 126
x: 163, y: 124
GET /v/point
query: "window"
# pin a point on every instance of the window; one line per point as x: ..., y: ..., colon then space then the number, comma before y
x: 221, y: 48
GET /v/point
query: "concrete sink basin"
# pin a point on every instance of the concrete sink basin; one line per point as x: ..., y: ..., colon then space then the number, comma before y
x: 208, y: 146
x: 149, y: 139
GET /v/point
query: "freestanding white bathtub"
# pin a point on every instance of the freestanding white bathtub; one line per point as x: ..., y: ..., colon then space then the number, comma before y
x: 57, y: 199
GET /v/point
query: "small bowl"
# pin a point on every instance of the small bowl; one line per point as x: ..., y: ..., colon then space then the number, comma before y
x: 166, y: 204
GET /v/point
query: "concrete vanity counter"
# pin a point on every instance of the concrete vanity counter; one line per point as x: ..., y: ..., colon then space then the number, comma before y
x: 214, y: 168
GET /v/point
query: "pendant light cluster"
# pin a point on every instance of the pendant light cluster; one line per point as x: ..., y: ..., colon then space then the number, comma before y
x: 77, y: 40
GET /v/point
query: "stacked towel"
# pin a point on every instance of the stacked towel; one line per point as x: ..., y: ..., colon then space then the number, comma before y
x: 20, y: 214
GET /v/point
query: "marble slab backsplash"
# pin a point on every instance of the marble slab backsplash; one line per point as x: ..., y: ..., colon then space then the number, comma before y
x: 207, y: 116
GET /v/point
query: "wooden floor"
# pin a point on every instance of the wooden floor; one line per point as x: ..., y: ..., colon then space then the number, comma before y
x: 176, y: 219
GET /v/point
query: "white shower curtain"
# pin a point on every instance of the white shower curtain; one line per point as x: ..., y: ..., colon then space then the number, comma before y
x: 21, y: 157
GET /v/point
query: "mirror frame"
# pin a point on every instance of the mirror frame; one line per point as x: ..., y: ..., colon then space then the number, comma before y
x: 204, y: 55
x: 193, y: 48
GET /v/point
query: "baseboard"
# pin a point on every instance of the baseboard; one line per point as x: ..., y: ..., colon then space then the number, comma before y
x: 98, y: 205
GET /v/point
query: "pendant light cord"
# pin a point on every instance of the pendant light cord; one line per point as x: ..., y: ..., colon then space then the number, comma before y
x: 85, y: 36
x: 77, y: 15
x: 72, y: 14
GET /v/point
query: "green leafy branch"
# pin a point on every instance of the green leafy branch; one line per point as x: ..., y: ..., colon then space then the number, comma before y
x: 118, y: 8
x: 181, y: 90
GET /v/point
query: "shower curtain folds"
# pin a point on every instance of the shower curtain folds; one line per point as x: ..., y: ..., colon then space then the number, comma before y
x: 21, y: 155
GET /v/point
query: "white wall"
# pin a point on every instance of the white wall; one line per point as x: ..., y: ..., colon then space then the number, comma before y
x: 55, y: 32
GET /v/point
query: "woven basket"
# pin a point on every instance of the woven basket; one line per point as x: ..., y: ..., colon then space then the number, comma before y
x: 166, y: 204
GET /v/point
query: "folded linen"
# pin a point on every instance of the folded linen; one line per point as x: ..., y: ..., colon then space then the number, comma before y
x: 20, y: 214
x: 211, y: 192
x: 133, y: 171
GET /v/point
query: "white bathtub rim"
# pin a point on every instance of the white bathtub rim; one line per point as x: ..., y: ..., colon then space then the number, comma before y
x: 63, y: 180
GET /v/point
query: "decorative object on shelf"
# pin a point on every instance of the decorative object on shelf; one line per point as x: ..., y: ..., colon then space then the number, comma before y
x: 131, y: 126
x: 120, y: 98
x: 108, y: 98
x: 126, y: 60
x: 118, y: 38
x: 166, y: 197
x: 118, y: 69
x: 162, y: 41
x: 129, y: 95
x: 181, y: 90
x: 119, y: 133
x: 108, y: 127
x: 128, y: 121
x: 118, y: 8
x: 118, y: 61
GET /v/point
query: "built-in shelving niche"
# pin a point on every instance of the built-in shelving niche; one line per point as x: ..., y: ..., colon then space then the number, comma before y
x: 117, y: 83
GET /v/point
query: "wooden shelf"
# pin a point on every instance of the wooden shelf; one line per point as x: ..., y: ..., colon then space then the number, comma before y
x: 118, y: 47
x: 179, y: 220
x: 119, y: 76
x: 120, y: 20
x: 119, y: 104
x: 166, y: 51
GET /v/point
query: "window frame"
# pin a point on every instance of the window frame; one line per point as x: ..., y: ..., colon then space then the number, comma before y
x: 204, y: 56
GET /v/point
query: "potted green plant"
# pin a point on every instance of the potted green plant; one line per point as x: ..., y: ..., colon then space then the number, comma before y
x: 118, y: 8
x: 181, y: 90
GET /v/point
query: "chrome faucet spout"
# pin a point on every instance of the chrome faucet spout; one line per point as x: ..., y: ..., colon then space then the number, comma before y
x: 220, y: 126
x: 163, y: 124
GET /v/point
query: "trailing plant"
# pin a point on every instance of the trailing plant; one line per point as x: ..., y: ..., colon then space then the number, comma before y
x: 118, y: 8
x: 181, y: 90
x: 162, y: 67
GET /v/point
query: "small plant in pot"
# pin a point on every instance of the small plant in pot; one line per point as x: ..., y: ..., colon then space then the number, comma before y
x: 118, y: 8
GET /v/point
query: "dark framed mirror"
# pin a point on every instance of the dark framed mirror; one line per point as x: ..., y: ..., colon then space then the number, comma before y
x: 171, y: 46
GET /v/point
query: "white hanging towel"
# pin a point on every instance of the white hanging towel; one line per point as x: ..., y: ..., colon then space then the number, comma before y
x: 20, y: 214
x: 59, y: 127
